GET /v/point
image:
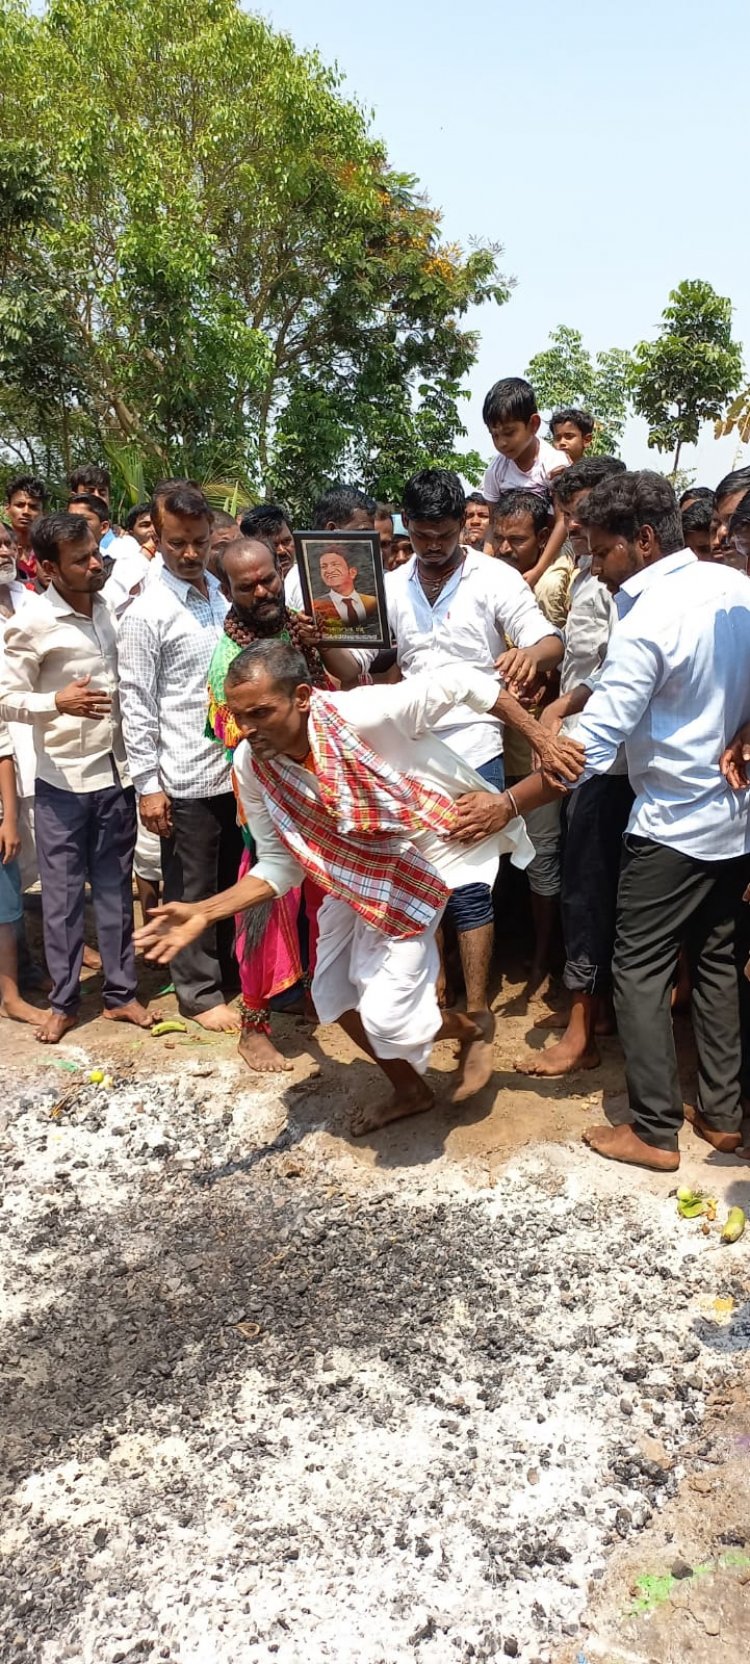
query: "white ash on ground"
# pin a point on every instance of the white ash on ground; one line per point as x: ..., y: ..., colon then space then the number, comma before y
x: 256, y: 1406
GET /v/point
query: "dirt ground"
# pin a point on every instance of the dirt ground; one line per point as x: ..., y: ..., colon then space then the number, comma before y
x: 669, y: 1584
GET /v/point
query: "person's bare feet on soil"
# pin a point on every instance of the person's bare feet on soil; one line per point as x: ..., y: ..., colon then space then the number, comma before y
x: 562, y: 1059
x: 221, y: 1019
x: 623, y: 1144
x: 415, y: 1101
x: 92, y: 959
x: 475, y: 1058
x: 53, y: 1026
x: 19, y: 1010
x: 259, y: 1053
x: 134, y: 1013
x: 728, y: 1143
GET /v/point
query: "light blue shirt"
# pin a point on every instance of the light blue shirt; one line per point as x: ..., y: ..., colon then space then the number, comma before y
x: 675, y: 687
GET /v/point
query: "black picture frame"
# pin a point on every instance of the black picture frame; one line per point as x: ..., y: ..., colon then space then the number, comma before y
x: 360, y: 550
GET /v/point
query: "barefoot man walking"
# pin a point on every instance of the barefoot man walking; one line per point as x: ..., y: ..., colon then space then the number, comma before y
x: 354, y: 790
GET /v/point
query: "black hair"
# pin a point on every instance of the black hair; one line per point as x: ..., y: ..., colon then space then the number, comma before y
x: 11, y: 530
x: 697, y: 516
x: 339, y: 504
x: 584, y: 475
x: 28, y: 483
x: 164, y: 489
x: 732, y: 483
x: 697, y: 493
x: 50, y: 530
x: 741, y: 516
x: 91, y: 476
x: 283, y: 663
x: 220, y: 517
x: 625, y: 502
x: 96, y: 503
x: 433, y: 494
x: 510, y: 505
x: 266, y: 520
x: 476, y: 497
x: 580, y: 419
x: 185, y: 498
x: 135, y: 514
x: 511, y: 400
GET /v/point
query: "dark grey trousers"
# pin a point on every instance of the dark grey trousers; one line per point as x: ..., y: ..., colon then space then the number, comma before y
x: 202, y: 857
x: 666, y: 900
x: 82, y: 835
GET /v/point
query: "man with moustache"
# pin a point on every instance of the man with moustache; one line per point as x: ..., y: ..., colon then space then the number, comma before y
x: 60, y: 674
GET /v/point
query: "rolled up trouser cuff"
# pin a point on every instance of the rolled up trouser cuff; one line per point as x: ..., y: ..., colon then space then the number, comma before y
x: 470, y: 907
x: 583, y: 978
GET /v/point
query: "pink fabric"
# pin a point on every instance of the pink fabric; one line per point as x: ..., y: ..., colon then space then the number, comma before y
x: 275, y: 964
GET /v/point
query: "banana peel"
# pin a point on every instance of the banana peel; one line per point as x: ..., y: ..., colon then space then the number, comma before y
x: 172, y: 1026
x: 692, y: 1204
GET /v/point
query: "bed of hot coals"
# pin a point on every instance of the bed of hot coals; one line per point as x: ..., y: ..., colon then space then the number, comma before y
x: 257, y: 1403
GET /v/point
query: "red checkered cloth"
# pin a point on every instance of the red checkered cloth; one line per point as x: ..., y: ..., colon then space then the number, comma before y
x: 353, y: 835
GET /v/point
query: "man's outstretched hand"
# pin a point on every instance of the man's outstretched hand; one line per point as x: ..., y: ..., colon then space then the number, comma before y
x: 169, y: 929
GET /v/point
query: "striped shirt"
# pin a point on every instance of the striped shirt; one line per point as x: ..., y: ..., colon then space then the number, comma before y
x: 166, y: 643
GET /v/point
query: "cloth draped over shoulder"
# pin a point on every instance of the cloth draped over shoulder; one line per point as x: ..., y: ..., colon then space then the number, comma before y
x: 220, y: 724
x: 353, y: 834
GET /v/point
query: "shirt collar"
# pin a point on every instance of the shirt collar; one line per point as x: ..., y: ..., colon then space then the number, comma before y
x: 63, y: 607
x: 629, y: 592
x: 183, y: 589
x: 472, y: 558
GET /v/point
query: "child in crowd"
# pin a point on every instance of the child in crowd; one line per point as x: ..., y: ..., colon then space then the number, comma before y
x: 524, y: 461
x: 11, y: 905
x: 476, y: 521
x: 140, y: 525
x: 572, y: 432
x: 696, y: 526
x: 25, y: 499
x: 401, y: 549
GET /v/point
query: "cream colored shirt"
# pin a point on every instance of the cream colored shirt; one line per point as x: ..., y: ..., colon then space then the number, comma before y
x: 47, y: 645
x: 397, y: 722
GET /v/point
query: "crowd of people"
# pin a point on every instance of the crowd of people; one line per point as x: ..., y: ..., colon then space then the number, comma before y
x: 321, y: 828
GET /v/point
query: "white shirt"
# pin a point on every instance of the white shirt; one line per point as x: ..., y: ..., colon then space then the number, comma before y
x: 21, y: 733
x: 47, y: 645
x: 398, y: 723
x: 483, y: 602
x: 504, y: 475
x: 128, y: 578
x: 166, y: 642
x: 675, y: 688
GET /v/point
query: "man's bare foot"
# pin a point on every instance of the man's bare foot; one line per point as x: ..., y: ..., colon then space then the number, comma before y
x: 92, y: 959
x: 726, y: 1142
x: 53, y: 1026
x: 475, y: 1058
x: 414, y: 1102
x: 258, y: 1052
x: 19, y: 1010
x: 134, y: 1013
x: 605, y: 1024
x: 561, y: 1059
x: 623, y: 1144
x: 221, y: 1019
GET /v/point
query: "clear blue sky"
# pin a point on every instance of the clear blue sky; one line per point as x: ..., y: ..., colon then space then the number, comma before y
x: 604, y: 143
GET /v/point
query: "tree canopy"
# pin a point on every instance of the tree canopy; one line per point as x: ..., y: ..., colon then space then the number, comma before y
x: 686, y: 376
x: 566, y: 374
x: 208, y: 260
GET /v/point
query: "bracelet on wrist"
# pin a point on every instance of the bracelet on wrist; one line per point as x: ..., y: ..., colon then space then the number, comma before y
x: 514, y: 805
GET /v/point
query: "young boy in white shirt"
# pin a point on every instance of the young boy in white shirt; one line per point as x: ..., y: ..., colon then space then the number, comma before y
x: 524, y: 461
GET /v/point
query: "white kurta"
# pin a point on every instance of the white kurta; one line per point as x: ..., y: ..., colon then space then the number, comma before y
x: 391, y: 981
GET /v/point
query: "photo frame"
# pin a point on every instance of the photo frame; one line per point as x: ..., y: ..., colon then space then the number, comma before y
x: 341, y: 576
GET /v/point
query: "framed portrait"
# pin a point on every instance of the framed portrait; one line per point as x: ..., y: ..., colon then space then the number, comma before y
x: 341, y: 575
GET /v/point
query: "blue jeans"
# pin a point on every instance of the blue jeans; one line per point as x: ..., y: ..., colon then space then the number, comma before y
x: 470, y: 906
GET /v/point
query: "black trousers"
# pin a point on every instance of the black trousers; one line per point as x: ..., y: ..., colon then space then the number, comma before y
x: 596, y: 815
x: 202, y: 857
x: 79, y: 836
x: 667, y: 900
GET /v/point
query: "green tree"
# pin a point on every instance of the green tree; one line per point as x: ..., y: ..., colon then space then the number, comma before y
x: 687, y: 375
x: 234, y: 281
x: 566, y: 374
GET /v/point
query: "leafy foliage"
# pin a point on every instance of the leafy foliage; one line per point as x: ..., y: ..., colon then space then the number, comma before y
x: 686, y: 376
x: 566, y: 374
x: 208, y: 260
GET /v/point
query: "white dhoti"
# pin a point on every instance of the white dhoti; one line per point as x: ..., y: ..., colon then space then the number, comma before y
x: 147, y: 857
x: 390, y: 981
